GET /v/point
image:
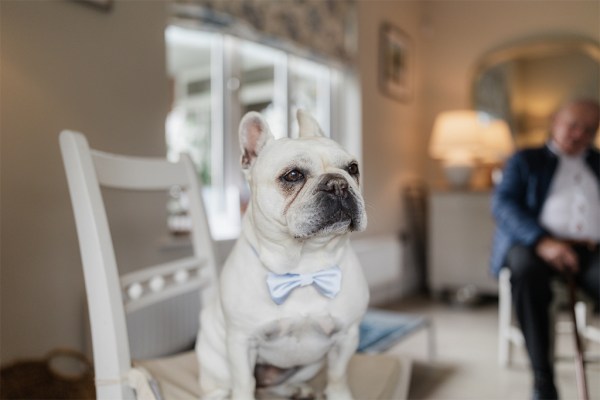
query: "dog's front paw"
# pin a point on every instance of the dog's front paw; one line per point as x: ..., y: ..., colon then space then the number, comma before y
x: 338, y: 392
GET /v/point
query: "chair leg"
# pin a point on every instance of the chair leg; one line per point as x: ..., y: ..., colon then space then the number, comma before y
x: 510, y: 335
x: 431, y: 348
x: 581, y: 315
x: 504, y: 319
x: 588, y: 332
x: 581, y: 322
x: 503, y: 351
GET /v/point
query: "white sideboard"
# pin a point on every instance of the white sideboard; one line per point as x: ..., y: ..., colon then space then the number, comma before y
x: 460, y: 231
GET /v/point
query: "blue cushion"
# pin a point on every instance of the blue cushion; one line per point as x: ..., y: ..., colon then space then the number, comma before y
x: 380, y: 330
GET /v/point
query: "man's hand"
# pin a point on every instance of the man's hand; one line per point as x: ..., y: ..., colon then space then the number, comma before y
x: 558, y: 254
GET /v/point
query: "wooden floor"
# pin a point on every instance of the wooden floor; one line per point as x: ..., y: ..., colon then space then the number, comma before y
x: 466, y: 364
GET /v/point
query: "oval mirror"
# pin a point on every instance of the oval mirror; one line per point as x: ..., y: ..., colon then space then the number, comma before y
x: 525, y: 83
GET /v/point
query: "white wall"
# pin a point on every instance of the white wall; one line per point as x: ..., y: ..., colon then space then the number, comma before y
x: 66, y: 65
x: 392, y: 138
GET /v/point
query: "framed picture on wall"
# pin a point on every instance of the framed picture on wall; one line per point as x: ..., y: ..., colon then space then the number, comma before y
x: 395, y: 62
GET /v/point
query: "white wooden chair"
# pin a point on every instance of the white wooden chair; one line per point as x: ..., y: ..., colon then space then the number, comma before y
x: 109, y: 295
x: 509, y: 333
x: 113, y: 299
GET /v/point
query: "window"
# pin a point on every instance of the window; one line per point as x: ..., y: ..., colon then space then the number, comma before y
x: 217, y: 78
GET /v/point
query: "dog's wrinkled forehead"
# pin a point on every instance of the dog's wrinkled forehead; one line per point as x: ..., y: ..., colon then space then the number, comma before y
x: 317, y: 154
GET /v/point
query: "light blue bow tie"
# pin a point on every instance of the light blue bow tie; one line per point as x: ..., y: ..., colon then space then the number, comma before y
x: 327, y: 281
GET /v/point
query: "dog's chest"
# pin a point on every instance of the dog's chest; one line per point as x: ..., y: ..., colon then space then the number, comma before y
x: 293, y: 341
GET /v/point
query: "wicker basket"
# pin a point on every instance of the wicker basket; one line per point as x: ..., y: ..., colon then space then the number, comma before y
x: 62, y: 374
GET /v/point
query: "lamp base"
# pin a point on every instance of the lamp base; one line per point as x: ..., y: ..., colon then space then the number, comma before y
x: 458, y: 176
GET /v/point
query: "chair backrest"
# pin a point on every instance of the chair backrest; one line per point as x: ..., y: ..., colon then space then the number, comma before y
x: 110, y: 296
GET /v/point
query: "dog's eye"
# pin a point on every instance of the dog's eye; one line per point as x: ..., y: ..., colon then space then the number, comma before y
x: 353, y: 169
x: 293, y: 176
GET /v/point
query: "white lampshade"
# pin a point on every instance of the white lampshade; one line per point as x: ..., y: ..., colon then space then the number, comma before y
x: 455, y: 137
x: 462, y: 138
x: 466, y: 135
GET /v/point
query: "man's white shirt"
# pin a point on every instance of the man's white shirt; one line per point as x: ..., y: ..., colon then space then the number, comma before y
x: 572, y: 207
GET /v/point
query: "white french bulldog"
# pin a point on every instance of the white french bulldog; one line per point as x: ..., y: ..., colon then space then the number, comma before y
x: 292, y: 292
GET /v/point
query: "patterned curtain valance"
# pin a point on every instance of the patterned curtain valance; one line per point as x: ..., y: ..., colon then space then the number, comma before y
x: 322, y: 28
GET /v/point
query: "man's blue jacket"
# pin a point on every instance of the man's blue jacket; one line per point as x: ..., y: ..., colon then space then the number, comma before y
x: 517, y: 201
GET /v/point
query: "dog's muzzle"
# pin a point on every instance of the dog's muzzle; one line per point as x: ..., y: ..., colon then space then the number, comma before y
x: 337, y: 202
x: 336, y: 208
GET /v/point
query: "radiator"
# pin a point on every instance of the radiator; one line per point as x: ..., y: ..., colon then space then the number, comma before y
x: 388, y: 276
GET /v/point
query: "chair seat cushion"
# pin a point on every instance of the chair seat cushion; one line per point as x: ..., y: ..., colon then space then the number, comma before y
x: 371, y: 376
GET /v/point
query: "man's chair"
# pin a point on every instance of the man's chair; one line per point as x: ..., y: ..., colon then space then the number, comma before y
x: 509, y: 334
x: 115, y: 300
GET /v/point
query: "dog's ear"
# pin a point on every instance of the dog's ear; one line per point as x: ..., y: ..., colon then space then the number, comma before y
x: 308, y: 125
x: 254, y: 134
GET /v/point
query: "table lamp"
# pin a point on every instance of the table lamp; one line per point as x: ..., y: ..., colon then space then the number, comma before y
x: 454, y: 141
x: 462, y: 139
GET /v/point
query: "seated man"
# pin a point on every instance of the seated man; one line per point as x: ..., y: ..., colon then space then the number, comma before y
x: 547, y: 211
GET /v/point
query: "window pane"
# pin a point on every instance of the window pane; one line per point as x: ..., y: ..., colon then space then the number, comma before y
x: 189, y: 125
x: 310, y: 90
x: 262, y: 84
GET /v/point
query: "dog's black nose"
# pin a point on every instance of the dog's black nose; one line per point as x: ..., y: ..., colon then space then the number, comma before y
x: 335, y: 185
